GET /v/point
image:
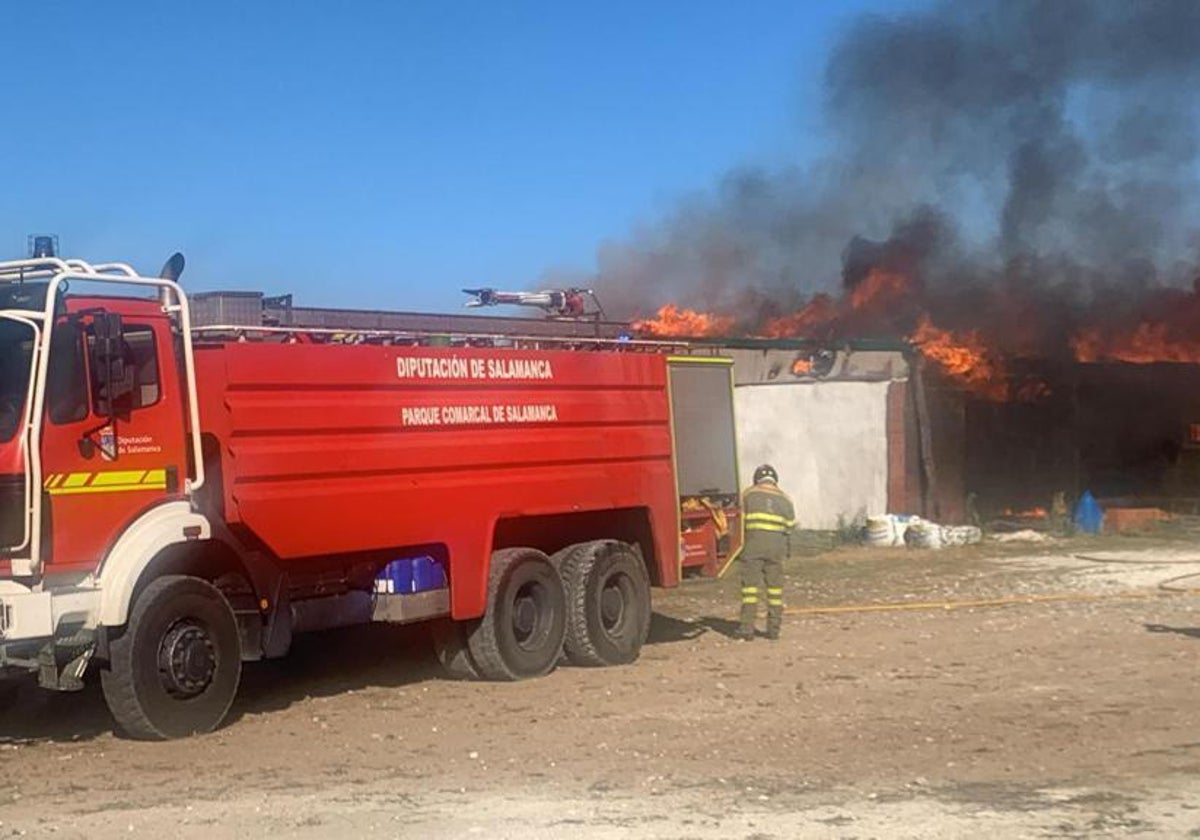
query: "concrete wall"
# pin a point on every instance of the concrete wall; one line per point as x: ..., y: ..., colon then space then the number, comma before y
x: 828, y: 440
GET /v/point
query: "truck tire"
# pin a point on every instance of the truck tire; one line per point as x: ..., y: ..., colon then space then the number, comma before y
x: 175, y: 670
x: 450, y: 645
x: 608, y: 603
x: 521, y: 634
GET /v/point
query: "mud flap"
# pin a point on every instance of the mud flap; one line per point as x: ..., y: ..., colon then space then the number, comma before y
x: 70, y: 676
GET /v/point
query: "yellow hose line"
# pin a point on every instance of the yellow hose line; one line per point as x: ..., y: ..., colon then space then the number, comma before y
x: 1131, y: 595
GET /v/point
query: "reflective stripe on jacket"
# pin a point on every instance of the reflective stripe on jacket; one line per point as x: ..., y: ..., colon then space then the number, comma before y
x: 769, y: 517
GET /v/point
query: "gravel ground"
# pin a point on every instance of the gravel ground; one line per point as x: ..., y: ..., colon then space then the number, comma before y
x: 1061, y: 704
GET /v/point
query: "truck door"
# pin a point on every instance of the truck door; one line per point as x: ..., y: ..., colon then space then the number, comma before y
x: 103, y: 467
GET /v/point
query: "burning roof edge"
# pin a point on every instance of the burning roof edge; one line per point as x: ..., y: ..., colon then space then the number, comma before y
x: 883, y: 345
x: 813, y: 363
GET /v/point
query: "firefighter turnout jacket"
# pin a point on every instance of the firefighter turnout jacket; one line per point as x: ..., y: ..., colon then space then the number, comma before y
x: 769, y: 519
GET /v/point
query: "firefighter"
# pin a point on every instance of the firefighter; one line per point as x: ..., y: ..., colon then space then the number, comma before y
x: 768, y: 519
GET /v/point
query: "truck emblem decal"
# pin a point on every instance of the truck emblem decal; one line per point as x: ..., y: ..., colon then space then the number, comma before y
x: 108, y: 443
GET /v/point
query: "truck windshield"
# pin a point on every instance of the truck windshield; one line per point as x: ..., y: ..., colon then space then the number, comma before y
x: 16, y: 360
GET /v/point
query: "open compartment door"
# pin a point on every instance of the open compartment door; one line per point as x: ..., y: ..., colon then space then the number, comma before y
x: 706, y: 468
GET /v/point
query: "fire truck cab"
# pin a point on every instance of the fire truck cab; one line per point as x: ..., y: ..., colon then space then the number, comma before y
x: 85, y: 380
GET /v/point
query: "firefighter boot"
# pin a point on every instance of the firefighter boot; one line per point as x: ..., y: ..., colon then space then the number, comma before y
x: 745, y: 631
x: 774, y: 612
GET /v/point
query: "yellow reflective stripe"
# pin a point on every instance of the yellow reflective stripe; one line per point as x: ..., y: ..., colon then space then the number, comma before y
x: 108, y: 479
x: 763, y: 526
x: 700, y: 360
x: 775, y: 602
x: 774, y: 590
x: 766, y: 517
x: 116, y: 488
x: 750, y: 590
x: 753, y: 519
x: 113, y: 481
x: 749, y: 599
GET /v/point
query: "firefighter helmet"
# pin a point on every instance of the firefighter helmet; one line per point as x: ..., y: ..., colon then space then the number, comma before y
x: 765, y: 473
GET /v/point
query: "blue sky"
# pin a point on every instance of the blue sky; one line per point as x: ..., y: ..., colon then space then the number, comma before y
x: 385, y: 154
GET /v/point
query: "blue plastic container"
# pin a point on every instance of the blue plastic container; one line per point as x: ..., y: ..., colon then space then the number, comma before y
x: 427, y: 573
x: 410, y: 574
x: 395, y: 578
x: 1089, y: 517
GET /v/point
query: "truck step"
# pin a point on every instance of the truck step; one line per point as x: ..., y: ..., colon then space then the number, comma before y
x: 415, y: 606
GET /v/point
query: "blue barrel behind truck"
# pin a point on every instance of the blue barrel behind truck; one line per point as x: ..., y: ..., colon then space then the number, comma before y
x: 411, y: 574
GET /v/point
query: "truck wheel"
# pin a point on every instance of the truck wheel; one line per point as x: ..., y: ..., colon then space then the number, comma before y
x: 450, y: 645
x: 521, y: 634
x: 608, y: 603
x: 175, y: 670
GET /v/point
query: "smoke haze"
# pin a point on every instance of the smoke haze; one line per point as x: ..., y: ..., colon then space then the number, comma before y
x: 982, y: 149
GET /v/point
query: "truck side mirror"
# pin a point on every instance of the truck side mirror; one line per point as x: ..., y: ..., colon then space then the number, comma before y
x: 108, y: 362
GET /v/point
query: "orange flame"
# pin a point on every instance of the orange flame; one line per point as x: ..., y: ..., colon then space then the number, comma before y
x: 962, y: 356
x: 878, y: 291
x: 801, y: 323
x: 886, y: 299
x: 1145, y: 344
x: 879, y: 288
x: 673, y: 321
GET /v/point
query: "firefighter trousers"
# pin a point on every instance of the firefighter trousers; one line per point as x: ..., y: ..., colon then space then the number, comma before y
x: 762, y: 582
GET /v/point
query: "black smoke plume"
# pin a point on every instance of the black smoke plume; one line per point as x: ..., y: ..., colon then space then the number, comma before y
x: 1000, y: 145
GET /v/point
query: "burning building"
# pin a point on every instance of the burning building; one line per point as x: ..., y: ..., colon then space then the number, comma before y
x: 1025, y: 398
x: 1012, y: 194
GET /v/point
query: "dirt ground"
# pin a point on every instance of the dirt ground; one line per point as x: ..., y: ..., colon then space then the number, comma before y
x: 1045, y: 690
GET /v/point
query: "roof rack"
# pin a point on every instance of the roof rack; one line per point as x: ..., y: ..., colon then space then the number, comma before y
x: 14, y: 271
x: 423, y: 338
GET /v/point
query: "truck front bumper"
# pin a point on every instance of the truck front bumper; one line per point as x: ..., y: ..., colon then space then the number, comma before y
x: 39, y: 629
x: 24, y: 613
x: 27, y: 614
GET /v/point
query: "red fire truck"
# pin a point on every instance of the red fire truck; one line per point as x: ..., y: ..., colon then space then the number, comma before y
x: 176, y: 500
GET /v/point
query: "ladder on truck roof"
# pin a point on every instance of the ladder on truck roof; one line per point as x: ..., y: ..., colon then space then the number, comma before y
x: 430, y: 338
x: 254, y: 316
